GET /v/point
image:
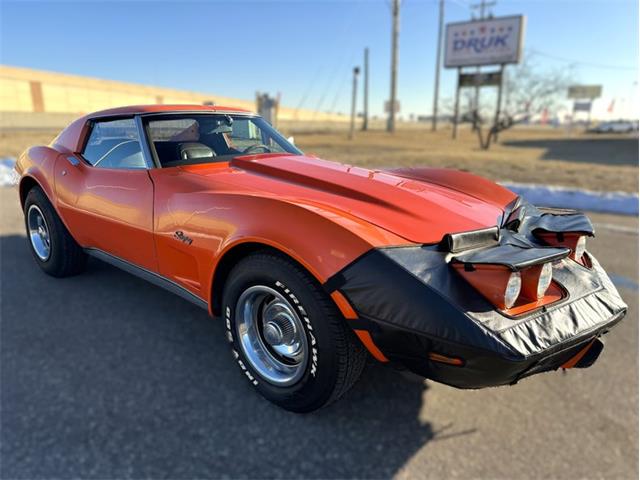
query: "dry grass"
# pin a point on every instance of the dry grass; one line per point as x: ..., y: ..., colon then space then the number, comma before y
x: 533, y: 155
x: 14, y: 142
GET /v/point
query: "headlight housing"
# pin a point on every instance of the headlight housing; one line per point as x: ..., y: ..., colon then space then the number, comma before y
x: 576, y: 241
x: 514, y: 292
x: 496, y: 283
x: 514, y: 278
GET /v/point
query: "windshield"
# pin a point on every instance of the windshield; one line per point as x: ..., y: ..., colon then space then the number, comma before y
x: 206, y: 138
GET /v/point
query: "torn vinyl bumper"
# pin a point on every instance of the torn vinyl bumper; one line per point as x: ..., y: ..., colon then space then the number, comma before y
x: 417, y: 309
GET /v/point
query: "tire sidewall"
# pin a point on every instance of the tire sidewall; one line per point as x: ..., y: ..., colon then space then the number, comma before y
x: 316, y: 385
x: 36, y: 197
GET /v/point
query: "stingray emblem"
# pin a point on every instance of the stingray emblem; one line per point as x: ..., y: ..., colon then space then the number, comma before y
x: 182, y: 237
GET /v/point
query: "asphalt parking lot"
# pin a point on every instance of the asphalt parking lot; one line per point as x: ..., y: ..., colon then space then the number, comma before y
x: 106, y: 376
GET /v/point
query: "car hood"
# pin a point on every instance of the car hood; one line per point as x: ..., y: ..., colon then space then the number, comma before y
x: 420, y: 205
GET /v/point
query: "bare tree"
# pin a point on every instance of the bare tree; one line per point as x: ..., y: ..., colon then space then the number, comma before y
x: 528, y: 90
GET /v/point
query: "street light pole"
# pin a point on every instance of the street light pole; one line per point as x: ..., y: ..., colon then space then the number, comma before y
x: 354, y: 99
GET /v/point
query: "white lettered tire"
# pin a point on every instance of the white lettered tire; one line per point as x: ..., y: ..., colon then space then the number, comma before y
x: 287, y: 336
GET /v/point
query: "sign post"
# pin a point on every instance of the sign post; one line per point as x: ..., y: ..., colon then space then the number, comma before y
x: 583, y: 97
x: 454, y: 132
x: 498, y: 103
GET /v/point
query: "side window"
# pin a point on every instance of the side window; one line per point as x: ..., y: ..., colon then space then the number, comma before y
x: 114, y: 144
x: 246, y: 133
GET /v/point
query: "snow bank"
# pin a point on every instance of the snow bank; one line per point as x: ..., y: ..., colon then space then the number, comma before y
x: 552, y: 196
x: 7, y: 175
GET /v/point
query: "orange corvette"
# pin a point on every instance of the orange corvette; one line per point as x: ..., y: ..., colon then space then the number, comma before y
x: 313, y: 265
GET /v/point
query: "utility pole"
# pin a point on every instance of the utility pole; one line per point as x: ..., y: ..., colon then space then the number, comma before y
x: 395, y: 12
x: 365, y: 121
x: 436, y: 88
x: 354, y: 99
x: 482, y: 7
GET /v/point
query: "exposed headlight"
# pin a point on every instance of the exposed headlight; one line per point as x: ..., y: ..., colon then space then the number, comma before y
x: 581, y: 246
x: 512, y: 292
x: 546, y: 274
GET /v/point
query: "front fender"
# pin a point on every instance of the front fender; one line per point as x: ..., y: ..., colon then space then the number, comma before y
x: 323, y: 245
x: 214, y: 222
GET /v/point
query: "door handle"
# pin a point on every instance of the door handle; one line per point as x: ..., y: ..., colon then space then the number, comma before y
x: 73, y: 160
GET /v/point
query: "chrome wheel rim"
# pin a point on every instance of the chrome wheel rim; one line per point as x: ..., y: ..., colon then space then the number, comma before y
x: 271, y: 335
x: 39, y: 233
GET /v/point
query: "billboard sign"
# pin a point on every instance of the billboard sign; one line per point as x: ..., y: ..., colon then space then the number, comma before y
x: 483, y: 79
x: 582, y: 106
x: 582, y: 92
x: 492, y: 41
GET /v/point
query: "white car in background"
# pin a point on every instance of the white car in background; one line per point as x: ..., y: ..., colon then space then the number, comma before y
x: 617, y: 126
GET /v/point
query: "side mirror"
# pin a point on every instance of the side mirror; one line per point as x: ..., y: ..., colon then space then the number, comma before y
x: 291, y: 140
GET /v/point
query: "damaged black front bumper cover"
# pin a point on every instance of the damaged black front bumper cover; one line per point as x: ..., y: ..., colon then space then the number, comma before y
x: 413, y: 305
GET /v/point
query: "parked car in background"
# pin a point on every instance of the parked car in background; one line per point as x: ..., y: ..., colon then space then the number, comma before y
x: 616, y: 126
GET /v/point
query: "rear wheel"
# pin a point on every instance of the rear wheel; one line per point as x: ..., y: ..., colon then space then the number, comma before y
x: 53, y: 248
x: 287, y: 336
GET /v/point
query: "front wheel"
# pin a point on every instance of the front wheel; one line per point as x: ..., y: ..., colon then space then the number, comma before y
x: 53, y: 248
x: 287, y: 336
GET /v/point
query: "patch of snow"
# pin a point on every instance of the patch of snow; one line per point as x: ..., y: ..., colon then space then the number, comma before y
x: 7, y: 173
x: 553, y: 196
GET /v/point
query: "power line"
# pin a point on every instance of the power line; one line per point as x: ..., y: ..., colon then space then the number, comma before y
x: 460, y: 3
x: 482, y: 8
x: 310, y: 86
x: 338, y: 38
x: 340, y: 86
x: 579, y: 62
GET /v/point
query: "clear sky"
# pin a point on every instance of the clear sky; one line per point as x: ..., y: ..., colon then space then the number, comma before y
x: 304, y: 49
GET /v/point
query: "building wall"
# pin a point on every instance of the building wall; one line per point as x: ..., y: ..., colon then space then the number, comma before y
x: 24, y: 90
x: 15, y: 95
